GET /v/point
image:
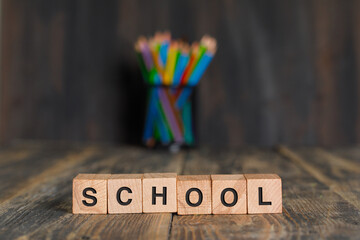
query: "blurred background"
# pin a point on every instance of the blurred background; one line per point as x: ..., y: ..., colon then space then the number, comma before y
x: 285, y: 71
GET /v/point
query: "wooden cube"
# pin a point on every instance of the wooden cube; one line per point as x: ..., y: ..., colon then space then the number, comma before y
x: 125, y: 193
x: 264, y: 193
x: 90, y: 193
x: 228, y: 194
x: 194, y: 194
x: 159, y: 192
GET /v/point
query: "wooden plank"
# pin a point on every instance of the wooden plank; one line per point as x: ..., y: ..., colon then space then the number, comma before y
x: 42, y: 208
x: 23, y: 175
x: 341, y: 175
x: 47, y: 201
x: 347, y: 154
x: 279, y: 74
x: 310, y: 208
x: 14, y: 155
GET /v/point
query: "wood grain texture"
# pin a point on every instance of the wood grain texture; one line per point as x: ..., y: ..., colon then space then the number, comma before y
x: 49, y: 163
x: 338, y: 174
x: 50, y: 198
x: 312, y: 209
x: 286, y: 71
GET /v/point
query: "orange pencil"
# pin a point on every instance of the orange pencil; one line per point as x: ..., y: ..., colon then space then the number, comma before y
x: 191, y: 65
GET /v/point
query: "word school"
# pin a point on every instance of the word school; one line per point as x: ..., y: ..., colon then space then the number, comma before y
x: 184, y: 194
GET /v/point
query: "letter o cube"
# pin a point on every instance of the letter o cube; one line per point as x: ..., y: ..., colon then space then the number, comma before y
x: 228, y: 194
x: 194, y: 194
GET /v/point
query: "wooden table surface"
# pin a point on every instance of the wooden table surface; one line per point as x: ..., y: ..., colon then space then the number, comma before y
x: 321, y: 192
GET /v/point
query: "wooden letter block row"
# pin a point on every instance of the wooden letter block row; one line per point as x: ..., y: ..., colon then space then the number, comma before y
x: 186, y: 194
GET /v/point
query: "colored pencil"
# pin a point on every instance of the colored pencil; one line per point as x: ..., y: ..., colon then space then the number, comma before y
x: 181, y: 64
x: 171, y: 63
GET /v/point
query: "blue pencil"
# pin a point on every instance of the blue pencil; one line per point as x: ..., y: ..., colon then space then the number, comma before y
x: 200, y: 68
x: 164, y: 51
x: 180, y: 67
x: 183, y: 97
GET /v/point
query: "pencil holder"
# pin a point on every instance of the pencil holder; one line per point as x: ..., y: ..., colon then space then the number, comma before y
x: 171, y: 68
x: 169, y: 116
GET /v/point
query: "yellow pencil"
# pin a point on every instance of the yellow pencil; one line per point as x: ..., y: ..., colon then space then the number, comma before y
x: 170, y: 63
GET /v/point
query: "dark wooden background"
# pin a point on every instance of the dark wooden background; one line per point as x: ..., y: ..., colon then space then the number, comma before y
x: 285, y: 71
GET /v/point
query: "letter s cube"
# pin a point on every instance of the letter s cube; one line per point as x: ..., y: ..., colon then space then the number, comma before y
x: 90, y: 194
